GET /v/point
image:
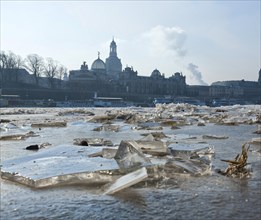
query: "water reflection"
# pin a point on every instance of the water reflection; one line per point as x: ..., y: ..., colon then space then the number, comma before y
x: 132, y: 197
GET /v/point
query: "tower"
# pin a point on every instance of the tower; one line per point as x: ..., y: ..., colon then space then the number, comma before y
x: 113, y: 49
x: 113, y: 63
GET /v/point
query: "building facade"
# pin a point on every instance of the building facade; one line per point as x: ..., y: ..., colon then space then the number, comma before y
x: 155, y: 84
x: 109, y: 75
x: 259, y: 78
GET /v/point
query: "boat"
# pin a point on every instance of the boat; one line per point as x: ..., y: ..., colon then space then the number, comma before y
x: 108, y: 102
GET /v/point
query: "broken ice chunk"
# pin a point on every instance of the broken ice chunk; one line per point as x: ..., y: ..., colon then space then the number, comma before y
x: 108, y: 153
x: 214, y: 137
x: 17, y: 137
x: 108, y: 127
x: 149, y: 145
x: 155, y: 148
x: 49, y: 124
x: 154, y: 136
x: 92, y: 142
x: 102, y: 118
x: 258, y: 131
x: 61, y: 165
x: 194, y: 167
x: 126, y: 181
x: 149, y: 126
x: 148, y: 137
x: 255, y: 141
x: 191, y: 150
x: 129, y: 155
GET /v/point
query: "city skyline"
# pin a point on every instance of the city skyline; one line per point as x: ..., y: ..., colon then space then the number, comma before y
x: 206, y: 41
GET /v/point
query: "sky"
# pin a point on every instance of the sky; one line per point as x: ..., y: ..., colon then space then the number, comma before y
x: 207, y: 41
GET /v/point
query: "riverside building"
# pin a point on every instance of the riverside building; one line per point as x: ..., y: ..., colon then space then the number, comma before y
x: 109, y: 78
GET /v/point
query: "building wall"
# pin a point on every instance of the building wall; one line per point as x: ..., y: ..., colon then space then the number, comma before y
x: 16, y: 75
x: 226, y: 91
x: 130, y: 82
x: 259, y: 78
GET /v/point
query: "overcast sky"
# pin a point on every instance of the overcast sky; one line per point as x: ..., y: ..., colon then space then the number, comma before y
x: 207, y: 41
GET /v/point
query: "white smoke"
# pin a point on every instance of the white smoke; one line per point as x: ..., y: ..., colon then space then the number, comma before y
x: 168, y: 42
x: 196, y: 76
x: 162, y: 40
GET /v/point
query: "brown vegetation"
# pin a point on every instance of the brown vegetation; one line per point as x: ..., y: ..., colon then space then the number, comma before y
x: 237, y: 167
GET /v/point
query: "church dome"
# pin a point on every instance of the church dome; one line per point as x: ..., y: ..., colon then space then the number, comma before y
x: 98, y: 65
x: 155, y: 73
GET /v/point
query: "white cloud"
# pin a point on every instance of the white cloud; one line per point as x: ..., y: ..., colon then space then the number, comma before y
x: 163, y: 40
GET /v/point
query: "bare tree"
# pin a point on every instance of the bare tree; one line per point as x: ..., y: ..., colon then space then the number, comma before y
x: 10, y: 61
x: 51, y: 70
x: 3, y: 60
x: 62, y: 70
x: 34, y: 64
x: 14, y: 62
x: 19, y: 62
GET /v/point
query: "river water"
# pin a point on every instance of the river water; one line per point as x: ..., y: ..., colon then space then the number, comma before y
x: 207, y: 197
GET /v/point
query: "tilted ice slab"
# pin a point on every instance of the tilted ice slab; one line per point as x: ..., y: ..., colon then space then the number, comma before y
x: 61, y: 165
x: 184, y: 150
x: 126, y: 181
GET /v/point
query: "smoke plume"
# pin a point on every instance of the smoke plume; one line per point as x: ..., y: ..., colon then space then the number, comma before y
x: 196, y: 75
x: 170, y: 41
x: 162, y: 40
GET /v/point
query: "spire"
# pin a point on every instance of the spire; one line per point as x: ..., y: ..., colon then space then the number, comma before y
x: 99, y: 55
x: 113, y: 48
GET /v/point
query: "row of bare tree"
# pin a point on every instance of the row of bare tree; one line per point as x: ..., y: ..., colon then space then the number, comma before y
x: 35, y: 64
